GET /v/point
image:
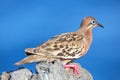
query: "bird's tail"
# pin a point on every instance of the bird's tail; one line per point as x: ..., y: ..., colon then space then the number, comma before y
x: 33, y: 58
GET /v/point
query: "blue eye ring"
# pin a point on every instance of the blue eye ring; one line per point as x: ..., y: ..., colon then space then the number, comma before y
x: 93, y: 22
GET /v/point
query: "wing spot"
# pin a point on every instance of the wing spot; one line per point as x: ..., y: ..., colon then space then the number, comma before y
x: 70, y: 39
x: 63, y: 51
x: 47, y: 44
x: 55, y: 46
x: 60, y: 54
x: 34, y: 50
x: 61, y: 46
x: 56, y: 49
x: 49, y: 49
x: 74, y: 34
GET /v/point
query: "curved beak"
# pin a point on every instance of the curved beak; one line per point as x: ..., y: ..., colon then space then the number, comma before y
x: 100, y: 25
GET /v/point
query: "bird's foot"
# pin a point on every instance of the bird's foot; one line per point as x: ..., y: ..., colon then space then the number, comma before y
x: 76, y: 70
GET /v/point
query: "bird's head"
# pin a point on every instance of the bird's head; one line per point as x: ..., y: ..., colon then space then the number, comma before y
x: 90, y: 23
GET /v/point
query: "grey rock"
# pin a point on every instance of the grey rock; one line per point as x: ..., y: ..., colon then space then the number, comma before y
x: 21, y: 74
x: 34, y: 77
x: 56, y: 71
x: 5, y: 76
x: 47, y: 71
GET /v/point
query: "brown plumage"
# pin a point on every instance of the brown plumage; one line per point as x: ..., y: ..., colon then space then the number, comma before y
x: 66, y: 46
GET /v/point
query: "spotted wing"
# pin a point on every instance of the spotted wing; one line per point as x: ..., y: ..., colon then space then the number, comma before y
x: 67, y: 45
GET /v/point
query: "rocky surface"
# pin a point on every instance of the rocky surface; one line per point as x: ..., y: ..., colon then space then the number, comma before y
x: 46, y: 71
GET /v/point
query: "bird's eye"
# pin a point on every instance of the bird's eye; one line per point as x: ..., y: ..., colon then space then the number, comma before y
x: 93, y: 22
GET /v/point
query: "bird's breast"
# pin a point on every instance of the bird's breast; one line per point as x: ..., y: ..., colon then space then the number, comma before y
x: 88, y: 40
x: 89, y: 37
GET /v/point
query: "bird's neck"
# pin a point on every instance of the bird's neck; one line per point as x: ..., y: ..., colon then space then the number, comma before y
x: 87, y: 33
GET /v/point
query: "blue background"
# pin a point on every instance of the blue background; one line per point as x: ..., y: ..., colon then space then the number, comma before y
x: 27, y: 23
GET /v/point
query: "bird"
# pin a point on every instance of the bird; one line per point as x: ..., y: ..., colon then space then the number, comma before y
x: 66, y: 46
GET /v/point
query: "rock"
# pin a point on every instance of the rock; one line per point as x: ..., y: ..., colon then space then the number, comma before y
x: 47, y: 71
x: 50, y: 71
x: 21, y: 74
x: 5, y: 76
x: 34, y: 77
x: 56, y: 71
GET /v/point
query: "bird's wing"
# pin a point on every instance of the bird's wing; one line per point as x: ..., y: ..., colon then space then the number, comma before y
x: 67, y: 45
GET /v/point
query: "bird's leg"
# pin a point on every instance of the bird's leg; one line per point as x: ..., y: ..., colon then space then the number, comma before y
x: 75, y: 68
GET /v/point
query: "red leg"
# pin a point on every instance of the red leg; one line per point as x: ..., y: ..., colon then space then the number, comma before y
x: 75, y: 68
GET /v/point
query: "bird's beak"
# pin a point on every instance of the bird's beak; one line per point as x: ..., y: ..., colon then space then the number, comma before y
x: 100, y: 25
